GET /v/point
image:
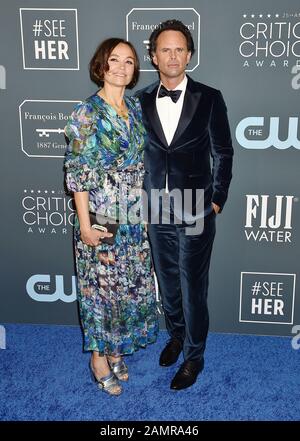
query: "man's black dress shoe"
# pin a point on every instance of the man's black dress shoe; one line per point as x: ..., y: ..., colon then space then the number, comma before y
x: 170, y: 353
x: 187, y: 374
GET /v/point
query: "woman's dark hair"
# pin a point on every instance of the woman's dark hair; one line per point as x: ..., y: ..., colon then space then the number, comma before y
x: 171, y: 25
x: 99, y: 63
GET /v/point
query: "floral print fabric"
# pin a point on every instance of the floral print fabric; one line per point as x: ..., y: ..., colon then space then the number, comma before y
x: 116, y: 290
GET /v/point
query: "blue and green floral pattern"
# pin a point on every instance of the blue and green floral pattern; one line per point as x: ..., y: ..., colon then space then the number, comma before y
x: 116, y: 290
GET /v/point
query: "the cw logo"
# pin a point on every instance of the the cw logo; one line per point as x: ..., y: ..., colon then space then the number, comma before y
x: 254, y: 124
x: 38, y: 288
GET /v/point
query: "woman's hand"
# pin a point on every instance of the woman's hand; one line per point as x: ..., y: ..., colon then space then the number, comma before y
x: 92, y: 237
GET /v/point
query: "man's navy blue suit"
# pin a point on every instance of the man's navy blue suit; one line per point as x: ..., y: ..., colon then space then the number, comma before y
x: 199, y: 157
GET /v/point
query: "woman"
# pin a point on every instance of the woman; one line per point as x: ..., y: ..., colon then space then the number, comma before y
x: 116, y: 289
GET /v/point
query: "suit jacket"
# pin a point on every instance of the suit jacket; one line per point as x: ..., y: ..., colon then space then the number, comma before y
x: 202, y: 133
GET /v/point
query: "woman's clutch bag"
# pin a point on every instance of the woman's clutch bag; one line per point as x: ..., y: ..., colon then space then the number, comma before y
x: 106, y: 224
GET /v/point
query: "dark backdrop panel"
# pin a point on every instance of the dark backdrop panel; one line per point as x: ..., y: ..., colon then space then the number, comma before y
x: 249, y: 50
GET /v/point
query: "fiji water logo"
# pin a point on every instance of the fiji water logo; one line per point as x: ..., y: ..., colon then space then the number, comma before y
x: 269, y: 219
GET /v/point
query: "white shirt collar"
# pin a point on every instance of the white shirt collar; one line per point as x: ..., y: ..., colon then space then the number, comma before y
x: 180, y: 86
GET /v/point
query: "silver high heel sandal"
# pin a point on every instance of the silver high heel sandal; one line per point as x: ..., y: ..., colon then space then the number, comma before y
x: 120, y: 369
x: 108, y: 384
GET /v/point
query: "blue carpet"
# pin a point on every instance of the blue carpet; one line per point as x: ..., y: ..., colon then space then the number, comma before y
x: 44, y: 376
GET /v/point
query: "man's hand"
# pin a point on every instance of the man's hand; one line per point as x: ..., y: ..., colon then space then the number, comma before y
x: 215, y: 207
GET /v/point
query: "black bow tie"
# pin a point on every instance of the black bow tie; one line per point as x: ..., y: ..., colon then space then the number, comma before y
x: 173, y: 94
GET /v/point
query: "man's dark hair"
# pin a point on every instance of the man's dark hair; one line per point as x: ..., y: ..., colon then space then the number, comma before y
x: 171, y: 25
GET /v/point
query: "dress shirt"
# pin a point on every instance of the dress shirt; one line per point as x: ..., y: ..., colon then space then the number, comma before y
x: 169, y: 114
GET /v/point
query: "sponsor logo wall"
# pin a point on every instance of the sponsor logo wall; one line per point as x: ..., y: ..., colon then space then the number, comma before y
x: 251, y: 51
x: 42, y: 125
x: 47, y: 212
x: 140, y: 22
x: 270, y: 40
x: 49, y: 38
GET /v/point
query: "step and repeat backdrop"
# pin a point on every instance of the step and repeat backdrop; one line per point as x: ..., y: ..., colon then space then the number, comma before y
x: 248, y: 50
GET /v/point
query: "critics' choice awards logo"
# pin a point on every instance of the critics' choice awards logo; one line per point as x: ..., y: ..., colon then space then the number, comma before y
x: 269, y: 218
x: 47, y: 212
x: 270, y: 40
x: 49, y: 39
x: 49, y: 288
x: 42, y: 125
x: 140, y: 22
x: 255, y: 132
x: 267, y: 298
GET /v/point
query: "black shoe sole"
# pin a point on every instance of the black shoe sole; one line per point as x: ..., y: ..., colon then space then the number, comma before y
x: 183, y: 387
x: 167, y: 364
x: 170, y: 363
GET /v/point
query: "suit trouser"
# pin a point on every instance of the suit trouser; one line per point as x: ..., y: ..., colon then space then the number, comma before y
x: 181, y: 265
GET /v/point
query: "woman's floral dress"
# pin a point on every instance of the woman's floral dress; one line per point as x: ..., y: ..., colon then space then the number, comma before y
x: 116, y: 290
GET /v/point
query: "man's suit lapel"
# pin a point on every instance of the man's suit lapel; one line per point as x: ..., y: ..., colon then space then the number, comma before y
x: 190, y: 103
x: 152, y: 115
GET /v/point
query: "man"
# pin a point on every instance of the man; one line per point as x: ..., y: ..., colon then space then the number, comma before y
x: 187, y: 124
